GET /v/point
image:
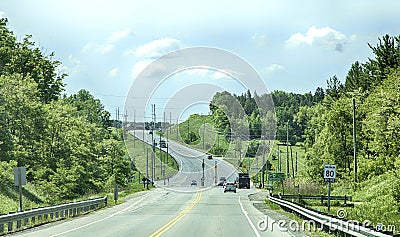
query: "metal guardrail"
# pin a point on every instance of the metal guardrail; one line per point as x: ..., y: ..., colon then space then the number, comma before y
x: 347, y: 227
x: 320, y: 197
x: 26, y: 219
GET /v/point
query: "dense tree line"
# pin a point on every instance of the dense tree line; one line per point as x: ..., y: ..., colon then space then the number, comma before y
x: 323, y: 121
x: 228, y: 109
x: 375, y: 86
x: 66, y: 143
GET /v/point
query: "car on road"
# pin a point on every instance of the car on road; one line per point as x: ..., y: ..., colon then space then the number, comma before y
x: 230, y: 187
x: 147, y: 181
x: 163, y: 144
x: 194, y: 182
x: 222, y: 181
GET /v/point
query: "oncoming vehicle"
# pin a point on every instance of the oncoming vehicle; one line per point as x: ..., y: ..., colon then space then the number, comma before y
x: 230, y: 187
x: 194, y: 182
x: 222, y: 181
x: 163, y: 144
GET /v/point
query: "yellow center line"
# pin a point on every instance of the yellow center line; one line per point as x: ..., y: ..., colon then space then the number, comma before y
x: 172, y: 222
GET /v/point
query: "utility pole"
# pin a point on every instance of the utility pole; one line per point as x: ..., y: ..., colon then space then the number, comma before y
x: 202, y: 179
x: 161, y: 162
x: 354, y: 140
x: 147, y: 168
x: 134, y: 128
x: 216, y: 175
x: 291, y: 158
x: 153, y: 106
x: 263, y: 163
x: 204, y: 127
x: 170, y: 122
x: 144, y: 127
x: 287, y: 148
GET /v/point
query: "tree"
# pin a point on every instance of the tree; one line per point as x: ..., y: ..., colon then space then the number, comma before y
x: 334, y: 88
x: 22, y: 118
x: 387, y: 57
x: 90, y: 108
x: 356, y: 78
x: 319, y: 95
x: 26, y: 59
x: 381, y: 127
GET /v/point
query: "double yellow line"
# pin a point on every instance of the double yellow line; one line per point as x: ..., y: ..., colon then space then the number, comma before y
x: 172, y: 222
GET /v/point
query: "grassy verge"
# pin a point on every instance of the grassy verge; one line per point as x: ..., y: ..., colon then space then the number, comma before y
x: 140, y: 151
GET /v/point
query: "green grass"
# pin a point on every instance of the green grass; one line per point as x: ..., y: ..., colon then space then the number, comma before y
x: 139, y: 151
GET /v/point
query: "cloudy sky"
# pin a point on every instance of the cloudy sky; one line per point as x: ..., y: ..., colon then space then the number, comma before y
x: 294, y: 45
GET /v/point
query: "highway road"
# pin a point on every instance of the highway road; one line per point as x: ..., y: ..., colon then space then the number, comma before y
x: 176, y: 209
x: 190, y: 166
x: 160, y: 212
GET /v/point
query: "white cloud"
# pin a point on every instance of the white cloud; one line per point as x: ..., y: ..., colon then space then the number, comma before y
x: 272, y: 69
x: 197, y: 71
x: 113, y: 72
x: 259, y: 40
x: 98, y: 48
x: 119, y: 35
x: 275, y: 68
x: 157, y: 48
x: 2, y: 15
x: 70, y: 66
x: 219, y: 75
x: 326, y: 37
x: 138, y: 68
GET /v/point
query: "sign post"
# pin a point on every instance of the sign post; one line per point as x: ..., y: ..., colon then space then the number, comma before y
x: 216, y: 177
x: 19, y: 180
x: 277, y: 177
x: 202, y: 179
x: 329, y: 177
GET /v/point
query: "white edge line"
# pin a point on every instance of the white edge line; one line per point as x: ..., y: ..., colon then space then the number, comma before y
x: 108, y: 217
x: 248, y: 219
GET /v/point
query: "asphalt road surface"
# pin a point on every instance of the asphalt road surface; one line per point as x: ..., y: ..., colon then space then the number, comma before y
x: 161, y: 212
x: 176, y: 209
x: 190, y: 166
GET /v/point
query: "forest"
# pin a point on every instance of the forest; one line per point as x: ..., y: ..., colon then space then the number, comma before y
x: 322, y: 122
x: 67, y: 143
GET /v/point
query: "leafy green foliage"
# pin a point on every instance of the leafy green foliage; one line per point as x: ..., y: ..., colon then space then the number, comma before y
x: 26, y: 59
x: 66, y: 144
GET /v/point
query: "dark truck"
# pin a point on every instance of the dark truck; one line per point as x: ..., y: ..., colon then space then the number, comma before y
x: 244, y: 181
x: 163, y: 144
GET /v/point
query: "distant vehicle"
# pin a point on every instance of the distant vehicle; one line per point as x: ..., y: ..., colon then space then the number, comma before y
x: 244, y: 181
x: 209, y: 157
x: 230, y: 187
x: 163, y: 144
x: 194, y: 182
x: 147, y: 181
x: 222, y: 181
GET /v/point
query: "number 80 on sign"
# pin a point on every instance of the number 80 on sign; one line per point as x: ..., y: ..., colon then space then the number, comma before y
x: 330, y: 173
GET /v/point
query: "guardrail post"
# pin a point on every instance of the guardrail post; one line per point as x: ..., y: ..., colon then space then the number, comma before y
x: 18, y: 224
x: 322, y: 199
x: 299, y: 197
x: 345, y: 199
x: 10, y: 226
x: 1, y: 228
x: 105, y: 201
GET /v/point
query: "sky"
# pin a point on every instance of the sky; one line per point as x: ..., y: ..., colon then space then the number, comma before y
x: 294, y: 46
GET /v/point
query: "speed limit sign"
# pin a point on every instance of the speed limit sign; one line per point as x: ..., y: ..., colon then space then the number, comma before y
x: 330, y: 173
